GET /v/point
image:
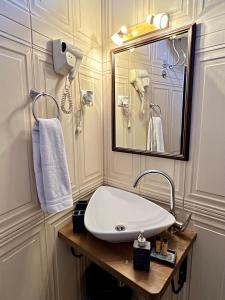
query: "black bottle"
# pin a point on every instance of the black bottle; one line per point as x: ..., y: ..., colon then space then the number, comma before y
x: 141, y: 253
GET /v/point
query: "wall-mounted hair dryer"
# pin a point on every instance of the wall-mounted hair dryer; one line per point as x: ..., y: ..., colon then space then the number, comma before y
x: 67, y: 60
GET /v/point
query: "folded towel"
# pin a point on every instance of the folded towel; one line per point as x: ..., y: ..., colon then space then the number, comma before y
x: 155, y: 140
x: 50, y: 166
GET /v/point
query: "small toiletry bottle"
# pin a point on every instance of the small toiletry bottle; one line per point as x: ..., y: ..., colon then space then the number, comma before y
x: 158, y: 244
x: 141, y: 253
x: 164, y: 246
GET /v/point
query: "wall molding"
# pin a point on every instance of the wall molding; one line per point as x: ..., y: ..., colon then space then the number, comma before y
x: 16, y: 10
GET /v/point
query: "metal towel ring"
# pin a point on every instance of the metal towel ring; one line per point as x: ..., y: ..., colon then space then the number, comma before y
x: 154, y: 106
x: 35, y: 95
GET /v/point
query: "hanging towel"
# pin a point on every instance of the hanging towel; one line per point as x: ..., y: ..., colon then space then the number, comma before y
x: 50, y: 166
x: 155, y: 140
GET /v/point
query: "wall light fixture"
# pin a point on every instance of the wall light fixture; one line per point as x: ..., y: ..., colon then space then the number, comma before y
x: 151, y: 24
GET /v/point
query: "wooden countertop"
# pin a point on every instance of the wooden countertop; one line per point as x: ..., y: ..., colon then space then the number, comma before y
x: 117, y: 259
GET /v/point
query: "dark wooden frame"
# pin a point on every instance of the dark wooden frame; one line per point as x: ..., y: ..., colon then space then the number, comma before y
x: 187, y: 95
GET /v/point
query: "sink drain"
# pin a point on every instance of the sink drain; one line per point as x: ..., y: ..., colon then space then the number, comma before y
x: 120, y: 227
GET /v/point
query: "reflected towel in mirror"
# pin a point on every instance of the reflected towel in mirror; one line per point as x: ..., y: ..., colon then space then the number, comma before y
x: 155, y: 140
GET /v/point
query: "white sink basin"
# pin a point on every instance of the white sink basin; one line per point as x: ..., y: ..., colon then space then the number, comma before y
x: 110, y: 208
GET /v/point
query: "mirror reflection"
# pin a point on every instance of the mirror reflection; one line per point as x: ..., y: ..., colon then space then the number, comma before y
x: 149, y: 89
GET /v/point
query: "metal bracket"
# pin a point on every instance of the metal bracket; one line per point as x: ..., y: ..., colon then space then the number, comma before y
x: 87, y: 97
x: 76, y: 254
x: 182, y: 277
x: 181, y: 226
x: 34, y: 93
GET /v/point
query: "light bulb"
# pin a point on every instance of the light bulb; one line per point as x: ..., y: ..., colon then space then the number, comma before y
x: 116, y: 38
x: 161, y: 20
x: 134, y: 33
x: 131, y: 50
x: 123, y: 29
x: 149, y: 19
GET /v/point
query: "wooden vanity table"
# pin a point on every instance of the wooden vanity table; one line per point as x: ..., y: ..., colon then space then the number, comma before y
x: 117, y: 259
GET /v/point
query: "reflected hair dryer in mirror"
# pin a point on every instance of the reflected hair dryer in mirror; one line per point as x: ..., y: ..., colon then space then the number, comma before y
x: 140, y: 79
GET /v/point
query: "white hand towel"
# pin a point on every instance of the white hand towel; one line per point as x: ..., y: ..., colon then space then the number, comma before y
x: 159, y: 134
x: 50, y: 166
x: 150, y: 135
x: 155, y: 140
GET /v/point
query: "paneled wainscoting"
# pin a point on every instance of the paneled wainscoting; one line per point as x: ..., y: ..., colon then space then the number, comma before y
x: 34, y: 264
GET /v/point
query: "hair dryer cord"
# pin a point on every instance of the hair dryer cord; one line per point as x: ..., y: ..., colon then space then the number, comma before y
x: 66, y: 96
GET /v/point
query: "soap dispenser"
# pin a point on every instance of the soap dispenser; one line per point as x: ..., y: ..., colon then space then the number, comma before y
x: 141, y: 253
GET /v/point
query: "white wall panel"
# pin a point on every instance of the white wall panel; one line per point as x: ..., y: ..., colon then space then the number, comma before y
x: 52, y: 18
x: 180, y: 11
x: 26, y: 62
x: 16, y: 172
x: 23, y: 267
x: 87, y: 21
x: 208, y: 267
x: 205, y: 172
x: 14, y: 30
x: 116, y: 10
x: 66, y: 276
x: 208, y: 9
x: 211, y: 128
x: 17, y: 10
x: 90, y: 139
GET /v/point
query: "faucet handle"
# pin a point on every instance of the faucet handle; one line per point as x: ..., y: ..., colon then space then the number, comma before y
x: 181, y: 226
x: 172, y: 213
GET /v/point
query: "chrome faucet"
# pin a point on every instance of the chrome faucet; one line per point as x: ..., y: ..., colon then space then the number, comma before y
x: 172, y: 187
x: 178, y: 226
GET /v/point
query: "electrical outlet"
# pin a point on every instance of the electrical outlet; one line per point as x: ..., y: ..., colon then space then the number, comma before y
x: 122, y: 100
x: 87, y: 97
